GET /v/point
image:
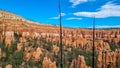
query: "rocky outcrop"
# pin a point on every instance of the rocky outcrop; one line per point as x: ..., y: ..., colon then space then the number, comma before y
x: 47, y: 63
x: 8, y: 15
x: 55, y: 49
x: 33, y: 54
x: 108, y: 59
x: 8, y: 66
x: 28, y: 56
x: 116, y: 41
x: 9, y: 37
x: 19, y: 47
x: 36, y: 54
x: 101, y: 45
x: 79, y: 63
x: 99, y: 60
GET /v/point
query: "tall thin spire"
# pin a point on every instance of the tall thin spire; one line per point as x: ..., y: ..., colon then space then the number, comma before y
x: 60, y: 21
x: 93, y: 59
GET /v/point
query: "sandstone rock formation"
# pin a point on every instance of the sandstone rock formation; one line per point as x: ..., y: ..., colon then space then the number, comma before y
x: 9, y: 37
x: 101, y: 45
x: 19, y: 47
x: 27, y: 56
x: 55, y: 49
x: 36, y: 54
x: 79, y: 63
x: 48, y: 64
x: 8, y: 66
x: 110, y: 59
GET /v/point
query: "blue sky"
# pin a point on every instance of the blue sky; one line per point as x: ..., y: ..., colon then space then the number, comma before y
x: 75, y: 13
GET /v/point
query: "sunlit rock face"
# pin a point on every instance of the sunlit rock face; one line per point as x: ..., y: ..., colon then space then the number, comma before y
x: 107, y: 58
x: 55, y: 49
x: 36, y: 54
x: 27, y: 56
x: 19, y: 47
x: 8, y: 15
x: 101, y: 45
x: 8, y: 66
x: 99, y: 60
x: 22, y: 40
x: 47, y: 63
x: 79, y: 63
x: 9, y: 37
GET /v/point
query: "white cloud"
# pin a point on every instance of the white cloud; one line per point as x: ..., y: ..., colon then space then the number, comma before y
x: 107, y: 10
x: 77, y: 2
x: 57, y: 17
x: 73, y: 18
x: 63, y: 14
x: 107, y: 26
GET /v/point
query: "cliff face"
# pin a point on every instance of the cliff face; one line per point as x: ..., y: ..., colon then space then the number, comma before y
x: 36, y: 42
x: 79, y: 63
x: 108, y: 59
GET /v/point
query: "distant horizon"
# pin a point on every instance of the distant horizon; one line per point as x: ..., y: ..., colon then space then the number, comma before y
x: 75, y: 13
